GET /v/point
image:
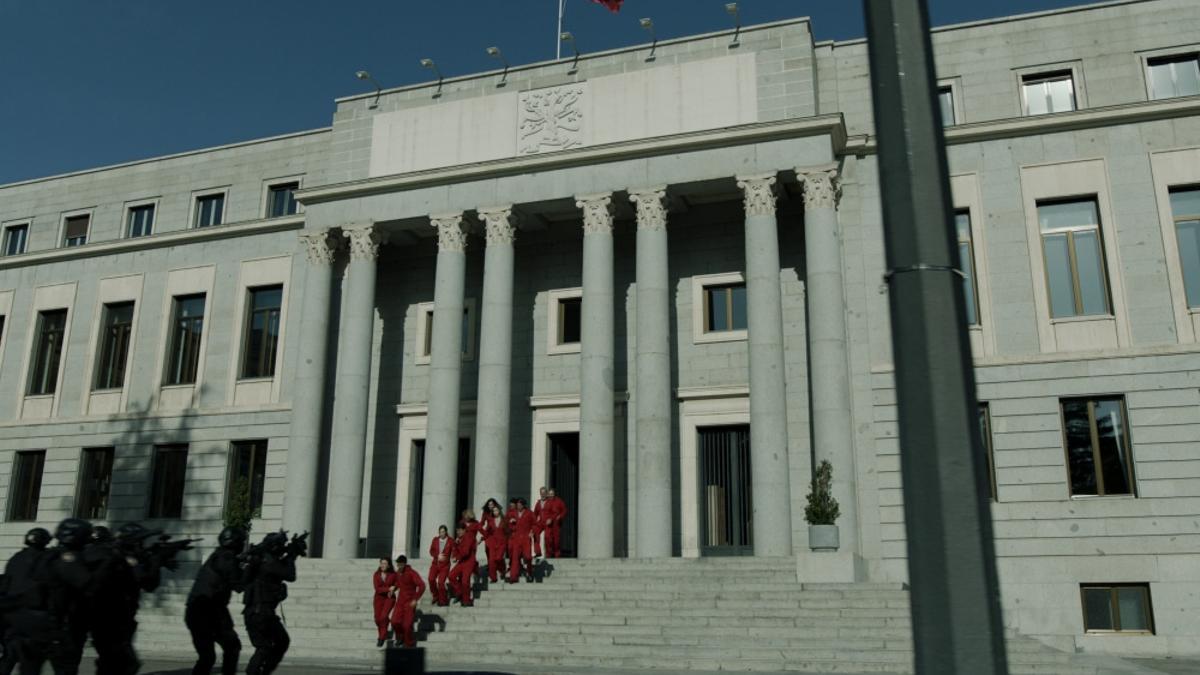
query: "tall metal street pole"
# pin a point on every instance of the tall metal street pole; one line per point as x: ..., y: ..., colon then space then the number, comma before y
x: 957, y: 625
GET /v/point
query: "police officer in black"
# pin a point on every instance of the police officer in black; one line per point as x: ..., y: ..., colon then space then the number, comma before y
x: 271, y: 564
x: 18, y: 582
x: 52, y: 624
x: 207, y: 616
x: 123, y: 569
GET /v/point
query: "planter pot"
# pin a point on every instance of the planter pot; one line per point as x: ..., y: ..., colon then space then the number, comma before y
x: 823, y: 537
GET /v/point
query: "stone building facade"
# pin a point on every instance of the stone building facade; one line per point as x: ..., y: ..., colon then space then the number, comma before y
x: 601, y: 274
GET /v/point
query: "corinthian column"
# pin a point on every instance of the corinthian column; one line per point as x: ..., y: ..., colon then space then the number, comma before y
x: 772, y: 520
x: 308, y: 385
x: 829, y: 367
x: 653, y: 400
x: 495, y: 357
x: 347, y: 456
x: 596, y: 396
x: 445, y: 378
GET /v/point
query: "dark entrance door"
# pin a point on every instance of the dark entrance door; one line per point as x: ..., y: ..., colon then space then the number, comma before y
x: 564, y: 478
x: 462, y: 492
x: 725, y: 491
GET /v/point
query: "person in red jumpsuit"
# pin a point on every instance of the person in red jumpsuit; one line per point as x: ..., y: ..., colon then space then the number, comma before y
x: 538, y: 522
x: 464, y: 566
x: 557, y: 509
x: 520, y: 527
x: 495, y: 540
x: 439, y: 570
x: 473, y: 526
x: 409, y: 589
x: 384, y: 579
x: 508, y: 516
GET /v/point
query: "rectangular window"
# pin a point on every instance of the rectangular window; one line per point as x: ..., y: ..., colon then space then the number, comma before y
x: 1185, y: 209
x: 724, y: 308
x: 1046, y: 93
x: 1171, y: 76
x: 966, y: 264
x: 570, y: 320
x: 116, y: 327
x: 427, y: 347
x: 985, y: 432
x: 15, y: 239
x: 281, y: 199
x: 166, y: 487
x: 262, y: 331
x: 95, y: 480
x: 210, y: 210
x: 247, y: 474
x: 1099, y: 454
x: 47, y: 352
x: 946, y: 102
x: 187, y: 327
x: 1117, y: 608
x: 26, y: 485
x: 1074, y: 254
x: 75, y: 230
x: 141, y: 221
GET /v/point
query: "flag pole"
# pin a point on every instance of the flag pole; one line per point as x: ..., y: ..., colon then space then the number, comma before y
x: 562, y: 10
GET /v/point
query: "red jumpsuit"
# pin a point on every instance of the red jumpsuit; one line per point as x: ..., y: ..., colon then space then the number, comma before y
x: 384, y: 600
x: 539, y: 525
x: 520, y: 527
x: 557, y: 512
x: 495, y: 539
x: 409, y: 589
x: 439, y: 570
x: 464, y: 567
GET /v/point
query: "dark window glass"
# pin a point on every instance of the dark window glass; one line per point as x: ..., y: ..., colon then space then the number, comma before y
x: 1171, y: 76
x: 427, y: 347
x: 1074, y: 256
x: 187, y: 327
x: 570, y: 320
x: 210, y: 210
x: 141, y: 221
x: 966, y: 264
x: 281, y: 199
x: 985, y: 432
x: 115, y: 330
x: 262, y: 331
x: 95, y: 480
x: 75, y: 231
x: 946, y: 102
x: 43, y: 378
x: 248, y: 473
x: 725, y: 307
x: 26, y: 485
x: 1117, y: 607
x: 1099, y: 457
x: 167, y: 483
x: 1185, y: 210
x: 15, y: 237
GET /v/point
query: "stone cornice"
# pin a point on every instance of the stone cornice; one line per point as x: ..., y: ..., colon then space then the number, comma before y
x: 164, y: 240
x: 831, y: 125
x: 1016, y: 127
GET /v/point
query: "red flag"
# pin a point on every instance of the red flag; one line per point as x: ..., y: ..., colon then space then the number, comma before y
x: 613, y: 6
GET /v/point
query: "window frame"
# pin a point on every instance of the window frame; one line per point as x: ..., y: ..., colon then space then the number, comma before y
x: 954, y: 85
x: 422, y: 348
x: 34, y: 360
x: 197, y: 195
x: 102, y: 347
x: 5, y: 236
x: 1113, y: 588
x: 130, y: 207
x: 156, y: 496
x: 554, y: 320
x: 1131, y: 470
x: 971, y: 275
x: 1176, y: 220
x: 986, y: 430
x: 69, y: 215
x: 700, y: 285
x: 1072, y: 257
x: 247, y: 323
x: 234, y: 448
x: 31, y: 497
x: 82, y: 489
x: 173, y: 333
x: 1034, y: 72
x: 1170, y: 53
x: 265, y: 206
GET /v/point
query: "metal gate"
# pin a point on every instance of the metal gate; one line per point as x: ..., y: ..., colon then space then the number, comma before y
x: 725, y: 497
x: 564, y: 478
x: 462, y: 491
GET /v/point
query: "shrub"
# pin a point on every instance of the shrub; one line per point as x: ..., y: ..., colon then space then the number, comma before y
x: 822, y: 508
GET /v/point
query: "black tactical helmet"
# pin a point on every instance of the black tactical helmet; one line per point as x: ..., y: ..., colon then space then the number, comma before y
x: 73, y: 533
x: 232, y: 538
x: 131, y: 532
x: 275, y: 542
x: 38, y: 537
x: 102, y: 535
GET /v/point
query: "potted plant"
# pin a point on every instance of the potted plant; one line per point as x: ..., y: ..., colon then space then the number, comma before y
x: 822, y: 510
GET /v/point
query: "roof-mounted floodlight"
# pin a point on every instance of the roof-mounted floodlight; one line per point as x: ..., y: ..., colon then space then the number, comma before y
x: 648, y: 25
x: 495, y: 53
x: 567, y: 37
x: 364, y: 75
x: 732, y: 9
x: 428, y: 63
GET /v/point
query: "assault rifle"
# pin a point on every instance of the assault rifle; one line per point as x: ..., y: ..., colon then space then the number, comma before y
x: 166, y: 550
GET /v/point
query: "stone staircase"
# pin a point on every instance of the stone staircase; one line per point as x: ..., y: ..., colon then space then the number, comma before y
x: 747, y: 614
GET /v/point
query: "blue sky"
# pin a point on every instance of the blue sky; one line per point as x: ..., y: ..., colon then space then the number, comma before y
x: 85, y: 83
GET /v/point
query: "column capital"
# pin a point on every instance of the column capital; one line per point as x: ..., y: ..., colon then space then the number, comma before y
x: 597, y: 213
x: 651, y: 207
x: 365, y: 240
x: 822, y: 187
x: 319, y: 246
x: 451, y: 231
x: 759, y: 192
x: 500, y: 223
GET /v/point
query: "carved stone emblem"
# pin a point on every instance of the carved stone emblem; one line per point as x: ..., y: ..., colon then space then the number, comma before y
x: 651, y: 208
x: 760, y: 194
x: 597, y: 213
x: 550, y: 119
x: 821, y: 188
x: 452, y: 234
